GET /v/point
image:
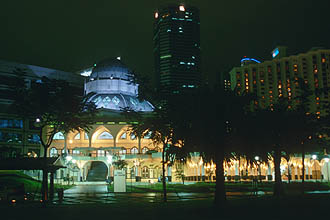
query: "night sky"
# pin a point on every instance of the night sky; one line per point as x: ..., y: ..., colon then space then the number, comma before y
x: 72, y: 35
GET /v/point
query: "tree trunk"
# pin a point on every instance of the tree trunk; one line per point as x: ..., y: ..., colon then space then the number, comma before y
x: 303, y: 169
x: 278, y: 191
x: 44, y: 187
x: 163, y: 170
x: 220, y: 192
x: 51, y: 186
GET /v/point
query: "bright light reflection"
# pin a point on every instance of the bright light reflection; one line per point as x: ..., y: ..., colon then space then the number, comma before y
x: 182, y: 8
x: 68, y: 158
x: 314, y: 157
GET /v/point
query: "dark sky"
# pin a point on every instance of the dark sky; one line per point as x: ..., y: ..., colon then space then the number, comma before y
x: 71, y: 35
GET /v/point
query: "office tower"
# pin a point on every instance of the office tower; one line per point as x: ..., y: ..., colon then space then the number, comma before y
x: 177, y: 48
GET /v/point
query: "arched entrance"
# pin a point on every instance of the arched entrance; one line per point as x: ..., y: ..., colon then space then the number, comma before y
x: 96, y: 171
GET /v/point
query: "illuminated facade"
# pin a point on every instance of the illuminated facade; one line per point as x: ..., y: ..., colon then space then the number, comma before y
x: 177, y: 48
x: 275, y: 78
x: 109, y: 139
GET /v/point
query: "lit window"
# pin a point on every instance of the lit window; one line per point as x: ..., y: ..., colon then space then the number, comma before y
x: 145, y: 150
x: 77, y: 137
x: 53, y: 152
x: 133, y: 137
x: 76, y: 152
x: 148, y: 135
x: 105, y: 136
x: 134, y: 150
x: 100, y: 153
x: 59, y: 136
x: 123, y: 136
x: 181, y: 8
x: 123, y: 151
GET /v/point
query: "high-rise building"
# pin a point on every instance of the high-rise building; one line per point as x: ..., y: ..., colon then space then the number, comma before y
x: 177, y: 48
x: 278, y: 77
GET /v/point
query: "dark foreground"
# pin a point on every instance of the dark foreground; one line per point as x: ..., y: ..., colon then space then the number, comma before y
x: 308, y: 207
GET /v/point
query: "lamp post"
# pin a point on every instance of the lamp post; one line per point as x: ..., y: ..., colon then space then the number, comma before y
x: 257, y: 158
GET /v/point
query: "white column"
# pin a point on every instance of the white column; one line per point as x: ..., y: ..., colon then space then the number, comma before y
x: 236, y: 169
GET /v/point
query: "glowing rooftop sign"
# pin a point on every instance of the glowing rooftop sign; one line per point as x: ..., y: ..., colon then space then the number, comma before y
x: 250, y: 59
x: 275, y: 52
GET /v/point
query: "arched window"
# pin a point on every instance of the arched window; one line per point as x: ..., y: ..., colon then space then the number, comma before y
x: 85, y: 136
x: 100, y: 153
x: 133, y: 137
x: 59, y: 136
x: 145, y: 150
x: 123, y: 136
x: 134, y: 150
x: 105, y: 136
x: 53, y: 152
x: 76, y: 152
x: 145, y: 172
x: 148, y: 135
x: 77, y: 137
x: 122, y: 152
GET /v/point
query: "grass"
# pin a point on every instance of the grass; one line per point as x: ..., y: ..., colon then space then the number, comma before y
x: 13, y: 178
x: 308, y: 207
x: 204, y: 187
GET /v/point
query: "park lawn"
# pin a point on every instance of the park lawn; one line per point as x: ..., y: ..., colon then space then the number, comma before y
x: 15, y: 178
x: 204, y: 187
x: 294, y: 207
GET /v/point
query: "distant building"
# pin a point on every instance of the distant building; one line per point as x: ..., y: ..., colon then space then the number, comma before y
x: 177, y: 48
x: 18, y: 136
x: 275, y: 78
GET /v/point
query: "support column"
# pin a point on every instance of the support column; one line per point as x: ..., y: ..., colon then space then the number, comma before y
x: 51, y: 186
x: 169, y: 173
x: 203, y: 172
x: 269, y: 172
x: 65, y: 144
x: 139, y: 144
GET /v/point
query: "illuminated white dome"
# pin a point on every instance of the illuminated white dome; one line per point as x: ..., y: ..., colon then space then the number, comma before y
x: 111, y: 86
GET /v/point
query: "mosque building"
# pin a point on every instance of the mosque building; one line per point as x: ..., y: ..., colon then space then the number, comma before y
x: 90, y: 155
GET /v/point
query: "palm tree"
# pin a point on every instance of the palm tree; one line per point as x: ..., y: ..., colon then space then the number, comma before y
x: 213, y: 119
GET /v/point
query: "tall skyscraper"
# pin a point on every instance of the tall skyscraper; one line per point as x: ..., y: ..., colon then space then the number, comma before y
x: 177, y: 48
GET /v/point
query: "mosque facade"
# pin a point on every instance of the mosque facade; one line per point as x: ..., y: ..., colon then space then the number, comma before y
x: 90, y: 155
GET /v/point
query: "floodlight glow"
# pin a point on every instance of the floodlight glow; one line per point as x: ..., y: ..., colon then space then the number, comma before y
x: 156, y: 15
x: 256, y: 157
x: 38, y: 120
x: 118, y: 58
x: 182, y: 8
x: 68, y: 158
x: 314, y: 157
x: 326, y: 160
